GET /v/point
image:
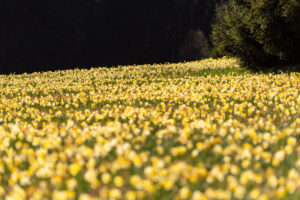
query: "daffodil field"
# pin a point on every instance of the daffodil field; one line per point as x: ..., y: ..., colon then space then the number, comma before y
x: 199, y: 130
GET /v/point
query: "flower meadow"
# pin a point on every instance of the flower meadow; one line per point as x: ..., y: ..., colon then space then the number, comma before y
x: 197, y: 130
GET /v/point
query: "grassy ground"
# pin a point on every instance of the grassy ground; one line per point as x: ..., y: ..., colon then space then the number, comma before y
x: 197, y: 130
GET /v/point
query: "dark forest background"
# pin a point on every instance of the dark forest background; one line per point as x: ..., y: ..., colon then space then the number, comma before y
x: 44, y: 35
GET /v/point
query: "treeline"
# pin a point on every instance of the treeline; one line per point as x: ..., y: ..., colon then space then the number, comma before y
x: 59, y: 34
x: 263, y: 34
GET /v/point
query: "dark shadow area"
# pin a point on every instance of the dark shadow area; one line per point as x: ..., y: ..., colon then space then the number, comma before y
x: 64, y: 34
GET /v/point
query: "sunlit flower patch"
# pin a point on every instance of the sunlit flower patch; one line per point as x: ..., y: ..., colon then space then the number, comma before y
x: 198, y: 130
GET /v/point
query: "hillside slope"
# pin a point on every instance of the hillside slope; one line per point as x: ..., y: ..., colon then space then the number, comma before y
x: 199, y: 130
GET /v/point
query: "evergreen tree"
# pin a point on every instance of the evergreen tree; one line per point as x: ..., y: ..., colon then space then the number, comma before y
x: 195, y: 46
x: 262, y: 33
